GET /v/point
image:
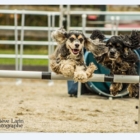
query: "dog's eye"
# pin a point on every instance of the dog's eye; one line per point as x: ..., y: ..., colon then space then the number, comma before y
x: 110, y: 46
x: 71, y: 39
x: 81, y: 40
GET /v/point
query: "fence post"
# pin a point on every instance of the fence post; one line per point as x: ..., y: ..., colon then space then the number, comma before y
x: 19, y: 81
x: 53, y: 25
x: 112, y: 25
x: 49, y: 39
x: 16, y: 40
x: 50, y: 83
x: 68, y: 17
x: 117, y: 24
x: 22, y: 39
x: 84, y: 22
x: 61, y: 16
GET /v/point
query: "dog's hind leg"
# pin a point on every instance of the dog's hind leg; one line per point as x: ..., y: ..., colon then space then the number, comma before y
x: 55, y: 67
x: 115, y: 88
x: 133, y: 90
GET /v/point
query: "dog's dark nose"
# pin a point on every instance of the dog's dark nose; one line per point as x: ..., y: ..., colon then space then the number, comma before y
x: 112, y: 53
x: 76, y: 45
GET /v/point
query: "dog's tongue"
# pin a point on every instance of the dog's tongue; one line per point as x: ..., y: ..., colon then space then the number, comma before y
x: 75, y: 51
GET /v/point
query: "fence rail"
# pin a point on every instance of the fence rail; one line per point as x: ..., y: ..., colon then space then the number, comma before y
x: 24, y: 56
x: 36, y: 28
x: 120, y: 13
x: 29, y: 12
x: 104, y: 28
x: 7, y: 42
x: 114, y: 21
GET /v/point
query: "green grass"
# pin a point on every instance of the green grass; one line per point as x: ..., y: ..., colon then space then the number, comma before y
x: 27, y: 51
x: 32, y: 62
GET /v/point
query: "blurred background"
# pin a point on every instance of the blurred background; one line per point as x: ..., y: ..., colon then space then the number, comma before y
x: 25, y: 41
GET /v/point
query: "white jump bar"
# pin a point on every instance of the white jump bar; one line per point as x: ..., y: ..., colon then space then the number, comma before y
x: 53, y: 76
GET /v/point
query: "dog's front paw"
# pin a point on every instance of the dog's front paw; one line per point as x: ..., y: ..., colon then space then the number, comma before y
x: 80, y: 76
x: 90, y: 69
x: 133, y: 90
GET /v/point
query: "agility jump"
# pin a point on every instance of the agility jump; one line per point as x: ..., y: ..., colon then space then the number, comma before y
x: 53, y: 76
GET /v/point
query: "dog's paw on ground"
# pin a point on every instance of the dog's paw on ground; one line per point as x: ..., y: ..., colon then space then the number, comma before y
x: 133, y: 90
x: 115, y: 88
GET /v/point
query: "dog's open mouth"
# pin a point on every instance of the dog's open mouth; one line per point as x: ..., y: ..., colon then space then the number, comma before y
x: 112, y: 58
x: 75, y: 51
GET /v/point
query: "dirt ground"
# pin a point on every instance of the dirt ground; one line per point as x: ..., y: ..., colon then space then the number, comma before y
x: 34, y: 106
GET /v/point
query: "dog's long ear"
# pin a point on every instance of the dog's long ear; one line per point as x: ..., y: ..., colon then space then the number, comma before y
x: 64, y: 51
x: 59, y: 35
x: 97, y: 34
x: 96, y: 47
x: 135, y: 39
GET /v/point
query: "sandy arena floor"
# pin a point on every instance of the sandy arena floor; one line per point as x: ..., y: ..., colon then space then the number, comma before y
x: 34, y: 106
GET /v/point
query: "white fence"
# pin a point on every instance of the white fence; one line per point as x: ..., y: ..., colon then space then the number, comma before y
x: 114, y: 21
x: 22, y: 28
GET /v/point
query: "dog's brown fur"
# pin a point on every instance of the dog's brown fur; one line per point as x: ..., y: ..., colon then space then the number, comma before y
x: 119, y: 58
x: 68, y: 57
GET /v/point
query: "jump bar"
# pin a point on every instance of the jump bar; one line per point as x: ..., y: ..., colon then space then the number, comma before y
x: 53, y: 76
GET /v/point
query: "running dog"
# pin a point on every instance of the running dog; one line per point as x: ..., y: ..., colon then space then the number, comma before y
x: 120, y: 58
x: 68, y: 58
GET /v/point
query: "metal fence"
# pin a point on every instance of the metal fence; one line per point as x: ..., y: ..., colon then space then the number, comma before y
x: 22, y: 42
x: 114, y: 20
x: 113, y: 29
